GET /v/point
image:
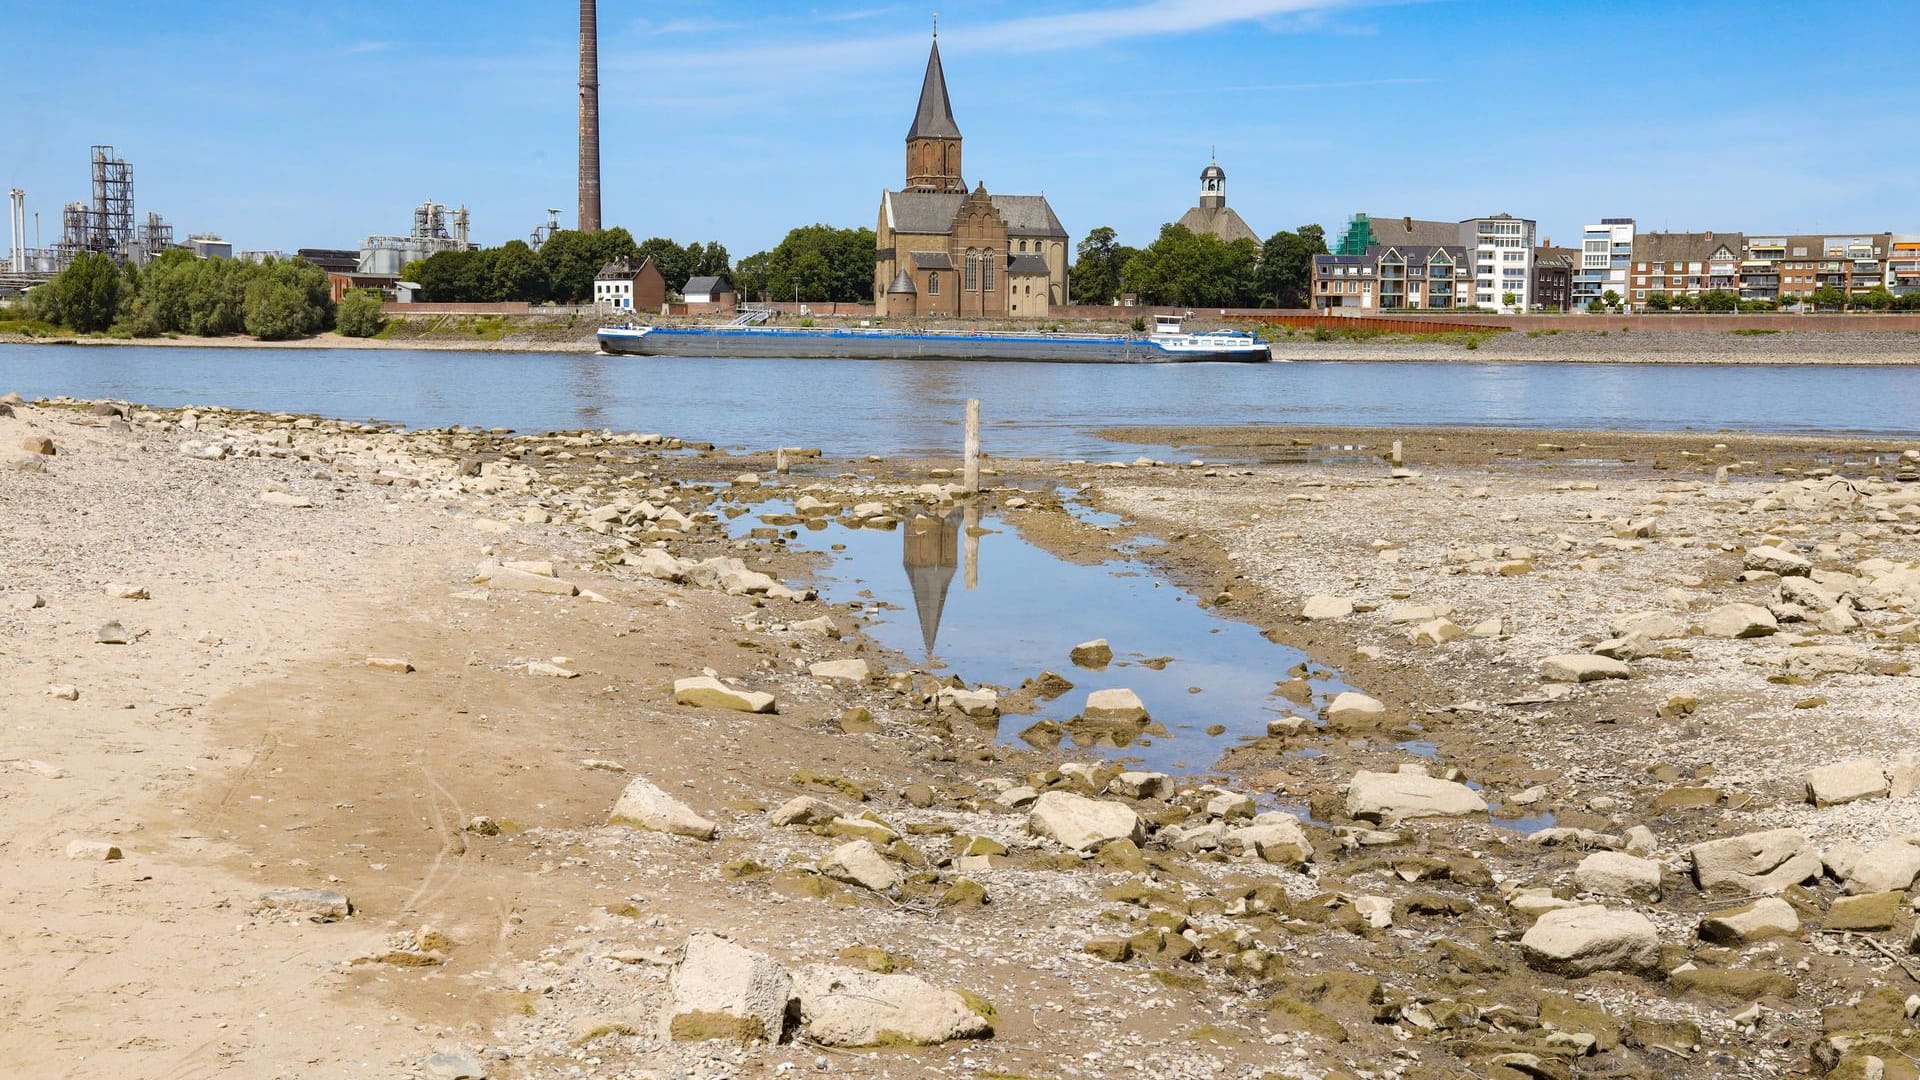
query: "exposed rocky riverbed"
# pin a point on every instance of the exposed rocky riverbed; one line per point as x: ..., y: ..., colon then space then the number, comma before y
x: 352, y: 751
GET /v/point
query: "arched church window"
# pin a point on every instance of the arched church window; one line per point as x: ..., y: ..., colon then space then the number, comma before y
x: 933, y: 284
x: 986, y: 271
x: 973, y: 271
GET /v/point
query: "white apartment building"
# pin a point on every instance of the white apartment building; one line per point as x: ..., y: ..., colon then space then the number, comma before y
x: 1606, y: 254
x: 1501, y: 250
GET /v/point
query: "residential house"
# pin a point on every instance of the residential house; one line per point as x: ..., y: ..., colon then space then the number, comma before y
x: 712, y: 294
x: 1553, y: 277
x: 1685, y: 264
x: 1502, y: 247
x: 1395, y: 277
x: 620, y: 287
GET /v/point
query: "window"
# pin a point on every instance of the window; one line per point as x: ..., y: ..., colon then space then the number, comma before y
x: 986, y: 271
x: 1023, y: 245
x: 972, y: 283
x: 933, y: 283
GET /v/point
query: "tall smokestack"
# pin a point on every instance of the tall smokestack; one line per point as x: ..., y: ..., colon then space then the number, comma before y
x: 589, y: 117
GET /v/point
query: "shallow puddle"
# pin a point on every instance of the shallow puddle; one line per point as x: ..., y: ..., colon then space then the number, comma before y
x: 973, y: 598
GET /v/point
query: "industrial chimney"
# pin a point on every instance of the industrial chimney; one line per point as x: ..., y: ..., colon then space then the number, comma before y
x: 589, y: 118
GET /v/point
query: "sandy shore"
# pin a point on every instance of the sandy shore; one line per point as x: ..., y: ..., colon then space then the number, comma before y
x: 1826, y: 347
x: 458, y: 792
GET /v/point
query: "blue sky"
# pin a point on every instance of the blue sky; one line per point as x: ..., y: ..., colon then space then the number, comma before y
x: 282, y: 126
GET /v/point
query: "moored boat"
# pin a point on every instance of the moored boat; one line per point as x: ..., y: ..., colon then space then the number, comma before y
x: 1169, y: 343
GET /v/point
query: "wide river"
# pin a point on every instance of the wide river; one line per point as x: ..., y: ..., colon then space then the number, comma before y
x: 887, y: 406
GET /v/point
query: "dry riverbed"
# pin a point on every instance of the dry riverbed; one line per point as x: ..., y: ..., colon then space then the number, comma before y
x: 353, y: 752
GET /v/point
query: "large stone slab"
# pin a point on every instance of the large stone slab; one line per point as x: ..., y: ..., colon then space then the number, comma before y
x: 1081, y: 823
x: 1583, y: 667
x: 1392, y: 797
x: 1759, y: 863
x: 1579, y: 941
x: 644, y: 806
x: 1845, y: 781
x: 720, y: 990
x: 842, y: 1006
x: 708, y: 692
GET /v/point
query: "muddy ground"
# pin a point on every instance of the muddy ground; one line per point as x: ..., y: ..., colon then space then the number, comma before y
x: 241, y: 742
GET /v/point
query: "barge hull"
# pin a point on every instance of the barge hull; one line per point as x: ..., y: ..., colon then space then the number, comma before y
x: 790, y: 345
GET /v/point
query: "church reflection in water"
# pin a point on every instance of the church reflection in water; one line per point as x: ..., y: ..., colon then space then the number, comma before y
x: 934, y: 547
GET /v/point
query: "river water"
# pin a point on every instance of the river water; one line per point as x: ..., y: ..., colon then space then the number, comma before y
x: 888, y: 406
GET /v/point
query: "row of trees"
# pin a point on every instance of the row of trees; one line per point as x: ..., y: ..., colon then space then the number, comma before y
x: 1829, y: 297
x: 180, y: 293
x: 1183, y: 267
x: 813, y: 262
x: 562, y: 270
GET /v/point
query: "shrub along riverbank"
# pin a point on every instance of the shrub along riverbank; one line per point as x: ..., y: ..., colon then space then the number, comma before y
x: 179, y: 293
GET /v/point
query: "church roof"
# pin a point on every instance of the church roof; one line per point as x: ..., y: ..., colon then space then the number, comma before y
x: 1027, y: 264
x: 902, y: 284
x: 1221, y: 221
x: 928, y: 212
x: 932, y: 260
x: 934, y: 118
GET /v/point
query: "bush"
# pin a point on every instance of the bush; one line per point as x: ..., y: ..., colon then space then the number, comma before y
x: 274, y: 310
x: 85, y: 296
x: 1139, y: 324
x: 359, y: 314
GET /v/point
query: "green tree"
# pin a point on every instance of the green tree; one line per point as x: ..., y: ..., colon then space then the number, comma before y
x: 1612, y: 298
x: 1719, y: 300
x: 1096, y: 266
x: 275, y: 310
x: 1509, y: 298
x: 1286, y: 265
x: 516, y: 274
x: 1659, y: 301
x: 1876, y: 298
x: 87, y: 293
x: 1596, y: 306
x: 570, y: 259
x: 676, y: 263
x: 824, y: 263
x: 1829, y: 297
x: 713, y: 261
x: 750, y: 277
x: 359, y: 314
x: 1182, y: 267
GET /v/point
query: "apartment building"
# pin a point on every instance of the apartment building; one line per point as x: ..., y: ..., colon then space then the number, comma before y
x: 1553, y: 269
x: 1395, y: 277
x: 1606, y: 260
x: 1685, y: 263
x: 1761, y: 268
x: 1903, y: 264
x: 1501, y: 246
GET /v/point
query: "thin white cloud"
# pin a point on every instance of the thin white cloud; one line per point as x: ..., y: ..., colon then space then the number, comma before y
x: 1262, y: 88
x: 362, y: 48
x: 1057, y: 32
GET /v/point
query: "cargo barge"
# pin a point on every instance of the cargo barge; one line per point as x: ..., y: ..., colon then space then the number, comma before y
x: 1168, y: 344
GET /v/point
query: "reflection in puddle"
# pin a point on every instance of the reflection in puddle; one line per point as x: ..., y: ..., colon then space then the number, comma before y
x: 1525, y: 826
x: 1425, y: 748
x: 1017, y: 612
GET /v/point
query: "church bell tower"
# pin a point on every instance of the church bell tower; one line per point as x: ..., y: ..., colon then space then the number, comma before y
x: 933, y: 143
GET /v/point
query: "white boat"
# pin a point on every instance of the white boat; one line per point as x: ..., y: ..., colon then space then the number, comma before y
x: 1170, y: 336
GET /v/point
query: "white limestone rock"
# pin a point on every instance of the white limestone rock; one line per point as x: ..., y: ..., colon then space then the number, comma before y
x: 1083, y: 824
x: 644, y: 806
x: 1393, y: 797
x: 1579, y: 941
x: 706, y: 691
x: 720, y: 990
x: 842, y: 1006
x: 1757, y: 864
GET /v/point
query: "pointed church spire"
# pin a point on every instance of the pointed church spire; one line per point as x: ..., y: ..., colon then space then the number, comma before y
x: 934, y: 119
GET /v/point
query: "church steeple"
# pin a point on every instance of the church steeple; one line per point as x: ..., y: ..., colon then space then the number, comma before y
x: 933, y: 142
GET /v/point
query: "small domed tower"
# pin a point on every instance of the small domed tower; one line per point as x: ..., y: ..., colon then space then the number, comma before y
x: 1213, y: 186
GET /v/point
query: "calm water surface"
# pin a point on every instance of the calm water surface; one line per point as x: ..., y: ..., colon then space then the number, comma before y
x: 886, y: 406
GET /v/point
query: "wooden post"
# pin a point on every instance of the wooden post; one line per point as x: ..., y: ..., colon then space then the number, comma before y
x: 780, y: 461
x: 972, y: 470
x: 1396, y: 460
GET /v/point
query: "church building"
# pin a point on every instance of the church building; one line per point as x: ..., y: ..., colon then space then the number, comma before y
x: 1213, y: 215
x: 945, y: 250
